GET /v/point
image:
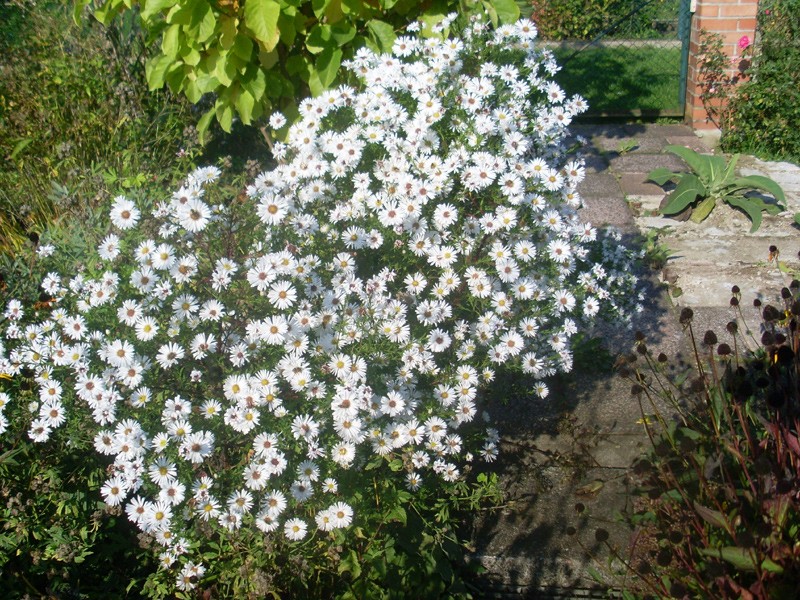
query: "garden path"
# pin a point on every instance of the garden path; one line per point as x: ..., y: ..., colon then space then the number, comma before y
x: 574, y: 450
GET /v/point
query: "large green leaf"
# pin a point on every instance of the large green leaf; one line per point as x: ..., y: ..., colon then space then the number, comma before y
x: 741, y: 558
x: 382, y: 34
x: 703, y: 209
x: 244, y: 106
x: 171, y: 41
x: 149, y: 8
x: 261, y: 17
x: 710, y: 516
x: 707, y: 168
x: 682, y: 196
x: 750, y: 208
x: 761, y: 183
x: 507, y: 11
x: 203, y: 21
x: 156, y: 71
x: 662, y: 175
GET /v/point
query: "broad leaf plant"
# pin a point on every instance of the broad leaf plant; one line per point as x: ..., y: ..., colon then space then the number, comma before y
x: 713, y: 180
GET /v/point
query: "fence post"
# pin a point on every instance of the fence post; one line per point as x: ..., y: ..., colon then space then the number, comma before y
x: 731, y: 19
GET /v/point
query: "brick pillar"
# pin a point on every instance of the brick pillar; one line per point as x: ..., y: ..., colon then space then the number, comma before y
x: 732, y: 19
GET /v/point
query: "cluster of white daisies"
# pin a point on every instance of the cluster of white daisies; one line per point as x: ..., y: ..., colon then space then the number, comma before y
x: 417, y: 233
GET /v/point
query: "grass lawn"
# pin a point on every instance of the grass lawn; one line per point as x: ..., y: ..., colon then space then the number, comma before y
x: 623, y: 79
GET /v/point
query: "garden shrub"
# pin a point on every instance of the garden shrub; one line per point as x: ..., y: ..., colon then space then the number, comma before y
x: 76, y: 118
x: 765, y: 110
x: 285, y: 378
x: 717, y: 514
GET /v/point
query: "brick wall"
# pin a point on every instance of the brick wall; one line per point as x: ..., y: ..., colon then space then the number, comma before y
x: 732, y: 19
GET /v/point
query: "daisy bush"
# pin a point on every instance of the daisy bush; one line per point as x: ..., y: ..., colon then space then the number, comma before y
x: 287, y: 370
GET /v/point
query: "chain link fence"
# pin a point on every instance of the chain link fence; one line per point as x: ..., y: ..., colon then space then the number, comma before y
x: 628, y: 58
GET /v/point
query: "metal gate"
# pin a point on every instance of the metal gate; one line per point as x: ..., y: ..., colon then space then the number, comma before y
x: 634, y: 64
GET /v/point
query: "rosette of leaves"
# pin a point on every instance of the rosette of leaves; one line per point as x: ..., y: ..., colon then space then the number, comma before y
x: 713, y: 180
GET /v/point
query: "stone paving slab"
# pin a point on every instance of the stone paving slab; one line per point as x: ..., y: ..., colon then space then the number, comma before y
x: 637, y: 184
x: 599, y: 185
x: 644, y: 163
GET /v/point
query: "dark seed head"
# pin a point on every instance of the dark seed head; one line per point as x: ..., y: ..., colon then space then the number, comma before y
x: 785, y: 293
x: 710, y: 338
x: 795, y: 285
x: 723, y: 349
x: 734, y: 301
x: 571, y: 530
x: 767, y: 338
x: 757, y: 303
x: 664, y: 557
x: 795, y: 307
x: 771, y: 313
x: 636, y: 389
x: 601, y: 535
x: 638, y: 336
x: 732, y: 327
x: 735, y: 290
x: 580, y: 507
x: 780, y: 338
x: 785, y: 356
x: 773, y: 249
x: 662, y: 358
x: 687, y: 314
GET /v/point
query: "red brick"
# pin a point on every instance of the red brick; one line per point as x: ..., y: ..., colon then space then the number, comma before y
x: 706, y: 10
x: 738, y: 10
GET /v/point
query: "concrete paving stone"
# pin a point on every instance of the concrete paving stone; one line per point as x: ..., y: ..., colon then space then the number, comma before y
x: 636, y: 184
x: 601, y: 185
x: 601, y: 212
x: 634, y: 144
x: 594, y: 162
x: 694, y: 142
x: 644, y: 163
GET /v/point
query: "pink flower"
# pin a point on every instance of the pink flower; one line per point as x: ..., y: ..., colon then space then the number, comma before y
x: 744, y: 42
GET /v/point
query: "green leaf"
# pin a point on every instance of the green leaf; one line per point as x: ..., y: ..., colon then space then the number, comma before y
x: 490, y: 11
x: 748, y: 207
x: 382, y: 34
x: 242, y: 47
x: 171, y: 41
x: 19, y: 147
x: 771, y: 567
x: 398, y: 513
x: 712, y: 517
x: 204, y: 21
x: 77, y: 10
x: 707, y: 168
x: 318, y: 38
x: 730, y: 171
x: 204, y: 123
x: 156, y: 71
x: 228, y: 31
x: 350, y: 563
x: 662, y: 175
x: 682, y: 196
x: 507, y: 11
x: 327, y: 66
x: 150, y: 8
x: 703, y: 209
x: 261, y: 17
x: 244, y: 106
x: 797, y: 218
x: 224, y: 112
x: 741, y: 558
x: 761, y: 183
x: 254, y: 82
